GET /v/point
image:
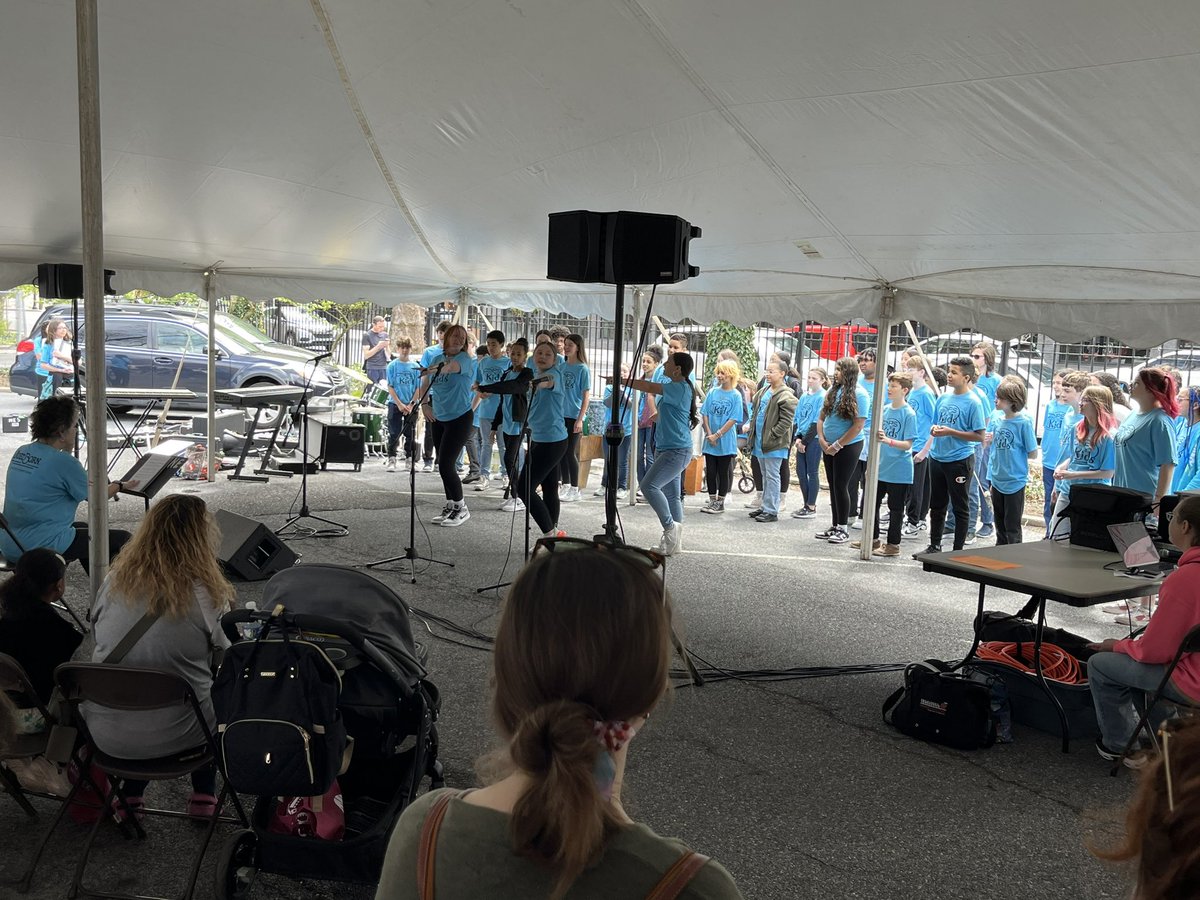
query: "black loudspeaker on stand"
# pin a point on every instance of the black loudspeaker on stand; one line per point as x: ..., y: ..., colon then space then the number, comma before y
x: 410, y: 552
x: 249, y: 550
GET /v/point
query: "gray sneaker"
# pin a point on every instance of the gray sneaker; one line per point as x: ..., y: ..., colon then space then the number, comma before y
x: 444, y: 514
x: 840, y: 536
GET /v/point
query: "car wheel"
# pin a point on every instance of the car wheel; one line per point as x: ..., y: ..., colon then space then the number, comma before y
x: 290, y: 338
x: 270, y: 414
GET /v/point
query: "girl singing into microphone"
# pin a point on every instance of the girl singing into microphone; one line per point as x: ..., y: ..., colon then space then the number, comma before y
x: 452, y: 373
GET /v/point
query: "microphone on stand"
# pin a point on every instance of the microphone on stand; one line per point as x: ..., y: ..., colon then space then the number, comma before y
x: 434, y: 369
x: 322, y: 356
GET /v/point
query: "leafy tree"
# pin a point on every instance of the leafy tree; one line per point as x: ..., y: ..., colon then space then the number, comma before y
x: 723, y: 336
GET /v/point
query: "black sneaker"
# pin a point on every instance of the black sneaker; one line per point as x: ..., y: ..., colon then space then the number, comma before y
x: 826, y: 534
x: 471, y: 479
x: 1105, y: 753
x: 932, y: 548
x: 766, y: 517
x: 755, y: 513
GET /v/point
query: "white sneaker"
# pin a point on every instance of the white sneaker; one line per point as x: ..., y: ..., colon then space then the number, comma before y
x: 444, y: 514
x: 672, y: 540
x: 569, y: 495
x: 390, y: 465
x: 599, y: 492
x: 856, y: 524
x: 622, y: 493
x: 755, y: 501
x: 840, y: 536
x: 512, y: 504
x: 483, y: 484
x: 428, y: 467
x: 909, y: 530
x: 458, y: 515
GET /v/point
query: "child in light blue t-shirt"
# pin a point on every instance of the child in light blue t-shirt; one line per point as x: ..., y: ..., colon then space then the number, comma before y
x: 721, y: 415
x: 1013, y: 446
x: 1091, y: 456
x: 897, y: 431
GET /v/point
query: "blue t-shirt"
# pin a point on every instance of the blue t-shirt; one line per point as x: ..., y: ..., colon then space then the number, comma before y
x: 43, y: 489
x: 1052, y: 422
x: 1087, y: 458
x: 836, y: 426
x: 577, y: 381
x: 625, y: 403
x: 1012, y: 442
x: 962, y: 412
x: 489, y: 371
x: 869, y: 387
x: 673, y: 431
x: 44, y: 355
x: 895, y: 464
x: 760, y: 419
x: 808, y: 407
x: 452, y: 393
x: 429, y: 353
x: 988, y: 384
x: 403, y: 377
x: 546, y: 421
x: 723, y: 406
x: 1186, y: 470
x: 508, y: 424
x: 922, y: 400
x: 1145, y: 441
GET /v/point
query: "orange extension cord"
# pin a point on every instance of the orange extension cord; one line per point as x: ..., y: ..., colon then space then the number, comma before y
x: 1057, y: 663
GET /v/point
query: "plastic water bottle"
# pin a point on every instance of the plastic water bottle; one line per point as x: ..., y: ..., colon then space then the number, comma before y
x: 250, y: 630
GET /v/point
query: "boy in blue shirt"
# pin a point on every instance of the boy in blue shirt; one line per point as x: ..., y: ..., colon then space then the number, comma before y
x: 1013, y: 446
x: 897, y: 431
x: 1052, y: 422
x: 489, y: 370
x: 403, y: 376
x: 957, y: 428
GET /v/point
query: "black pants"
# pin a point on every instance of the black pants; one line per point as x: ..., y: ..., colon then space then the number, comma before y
x: 719, y: 472
x: 896, y: 495
x: 401, y: 425
x: 449, y: 438
x: 949, y: 486
x: 512, y: 453
x: 204, y: 781
x: 785, y: 474
x: 542, y: 463
x: 568, y: 467
x: 1009, y: 510
x: 839, y: 470
x: 81, y: 543
x: 918, y: 497
x: 429, y: 441
x: 858, y: 488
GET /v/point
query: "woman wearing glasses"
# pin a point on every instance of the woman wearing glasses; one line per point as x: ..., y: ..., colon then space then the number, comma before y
x: 553, y: 822
x: 1126, y: 669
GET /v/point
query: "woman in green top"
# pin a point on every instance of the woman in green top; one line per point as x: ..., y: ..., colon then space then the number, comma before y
x: 582, y: 656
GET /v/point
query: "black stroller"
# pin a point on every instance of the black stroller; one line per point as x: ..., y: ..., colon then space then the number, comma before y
x: 387, y: 706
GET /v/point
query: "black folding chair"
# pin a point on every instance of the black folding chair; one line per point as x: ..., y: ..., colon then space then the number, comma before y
x: 135, y: 690
x: 1189, y: 644
x: 14, y: 680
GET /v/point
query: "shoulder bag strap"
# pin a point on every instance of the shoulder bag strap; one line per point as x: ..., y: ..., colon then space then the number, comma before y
x: 140, y: 627
x: 427, y: 849
x: 676, y: 878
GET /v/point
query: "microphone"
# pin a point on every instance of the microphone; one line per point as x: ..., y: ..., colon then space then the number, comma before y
x: 322, y: 356
x: 543, y: 379
x: 433, y: 369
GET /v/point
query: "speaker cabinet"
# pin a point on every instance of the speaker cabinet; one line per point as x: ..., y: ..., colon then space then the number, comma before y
x: 619, y: 248
x: 343, y: 444
x: 249, y: 550
x: 64, y: 281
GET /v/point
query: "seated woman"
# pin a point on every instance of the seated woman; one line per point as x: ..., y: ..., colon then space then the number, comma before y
x: 1128, y: 667
x: 581, y: 658
x: 31, y: 632
x: 168, y: 571
x: 45, y: 485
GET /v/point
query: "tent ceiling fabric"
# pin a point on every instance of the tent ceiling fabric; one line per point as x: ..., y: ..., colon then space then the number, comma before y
x: 1024, y: 166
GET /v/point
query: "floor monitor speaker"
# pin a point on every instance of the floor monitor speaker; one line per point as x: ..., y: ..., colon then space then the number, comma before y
x: 249, y: 550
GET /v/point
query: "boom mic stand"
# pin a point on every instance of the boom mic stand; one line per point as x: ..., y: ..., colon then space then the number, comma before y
x: 304, y: 513
x: 410, y: 552
x: 527, y: 437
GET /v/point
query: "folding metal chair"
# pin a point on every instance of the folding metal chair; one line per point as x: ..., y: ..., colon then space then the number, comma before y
x: 1189, y: 644
x: 135, y: 690
x: 14, y: 680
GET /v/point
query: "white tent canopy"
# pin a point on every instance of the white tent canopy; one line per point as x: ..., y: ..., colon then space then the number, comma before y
x: 1008, y: 167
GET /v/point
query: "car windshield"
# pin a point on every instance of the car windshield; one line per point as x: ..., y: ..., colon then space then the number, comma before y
x: 247, y: 333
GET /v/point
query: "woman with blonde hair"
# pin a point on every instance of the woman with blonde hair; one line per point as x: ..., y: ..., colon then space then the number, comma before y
x: 566, y: 712
x: 721, y: 414
x: 169, y: 574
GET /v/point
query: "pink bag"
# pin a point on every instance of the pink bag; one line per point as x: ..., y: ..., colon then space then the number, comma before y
x: 87, y: 806
x: 320, y: 817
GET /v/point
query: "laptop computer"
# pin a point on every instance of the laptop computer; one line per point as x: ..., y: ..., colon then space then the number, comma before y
x: 1137, y: 548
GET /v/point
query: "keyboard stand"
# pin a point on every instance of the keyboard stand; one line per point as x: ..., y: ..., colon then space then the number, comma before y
x: 262, y: 473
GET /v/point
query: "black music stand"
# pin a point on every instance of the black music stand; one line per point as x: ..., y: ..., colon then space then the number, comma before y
x: 338, y: 529
x: 410, y: 552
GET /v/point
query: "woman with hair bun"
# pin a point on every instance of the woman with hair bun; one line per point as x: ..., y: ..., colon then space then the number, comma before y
x: 553, y: 825
x: 1145, y: 442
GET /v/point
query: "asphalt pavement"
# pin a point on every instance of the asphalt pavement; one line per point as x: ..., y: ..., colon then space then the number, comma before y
x: 798, y: 787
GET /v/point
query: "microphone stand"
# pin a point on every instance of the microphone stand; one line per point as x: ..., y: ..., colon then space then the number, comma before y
x: 527, y: 437
x: 342, y: 530
x: 410, y: 552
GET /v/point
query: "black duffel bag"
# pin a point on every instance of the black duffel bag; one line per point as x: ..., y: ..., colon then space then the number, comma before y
x: 942, y: 706
x: 278, y: 724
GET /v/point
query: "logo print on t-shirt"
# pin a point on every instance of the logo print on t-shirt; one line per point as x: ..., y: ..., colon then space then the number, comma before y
x: 1006, y: 438
x: 1054, y: 421
x: 948, y: 416
x: 721, y: 408
x: 892, y: 426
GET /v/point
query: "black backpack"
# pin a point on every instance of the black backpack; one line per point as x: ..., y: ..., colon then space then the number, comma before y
x: 278, y: 724
x: 942, y: 706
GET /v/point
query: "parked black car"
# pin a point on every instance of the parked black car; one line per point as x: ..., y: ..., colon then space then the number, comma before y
x: 145, y: 344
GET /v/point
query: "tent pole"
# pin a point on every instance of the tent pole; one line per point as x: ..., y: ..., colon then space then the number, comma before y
x: 214, y: 439
x: 882, y: 343
x: 91, y: 191
x: 636, y: 397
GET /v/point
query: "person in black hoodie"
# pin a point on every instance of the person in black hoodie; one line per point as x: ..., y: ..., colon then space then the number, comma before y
x: 31, y: 631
